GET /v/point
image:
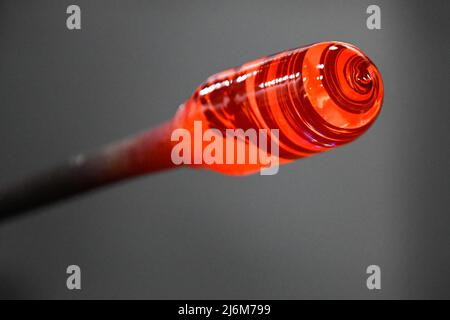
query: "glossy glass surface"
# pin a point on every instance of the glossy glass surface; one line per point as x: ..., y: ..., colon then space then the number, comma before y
x: 319, y: 97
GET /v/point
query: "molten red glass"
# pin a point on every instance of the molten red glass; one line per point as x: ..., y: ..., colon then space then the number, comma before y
x: 319, y: 97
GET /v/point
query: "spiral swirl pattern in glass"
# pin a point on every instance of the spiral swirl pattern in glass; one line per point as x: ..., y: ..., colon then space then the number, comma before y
x: 319, y: 97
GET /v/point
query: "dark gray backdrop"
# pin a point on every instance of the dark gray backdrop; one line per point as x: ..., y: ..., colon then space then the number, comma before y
x: 308, y: 232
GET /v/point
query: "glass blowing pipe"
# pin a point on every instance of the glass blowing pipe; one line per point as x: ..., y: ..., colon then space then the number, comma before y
x: 319, y: 97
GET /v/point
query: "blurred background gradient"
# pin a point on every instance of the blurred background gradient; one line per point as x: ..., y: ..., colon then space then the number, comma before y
x: 308, y: 232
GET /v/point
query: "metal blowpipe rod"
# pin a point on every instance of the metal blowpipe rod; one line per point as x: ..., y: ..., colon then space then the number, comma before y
x: 306, y: 101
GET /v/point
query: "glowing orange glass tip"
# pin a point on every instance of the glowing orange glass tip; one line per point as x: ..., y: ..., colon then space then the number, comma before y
x: 319, y: 97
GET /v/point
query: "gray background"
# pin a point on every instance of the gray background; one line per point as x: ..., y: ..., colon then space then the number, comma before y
x: 308, y: 232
